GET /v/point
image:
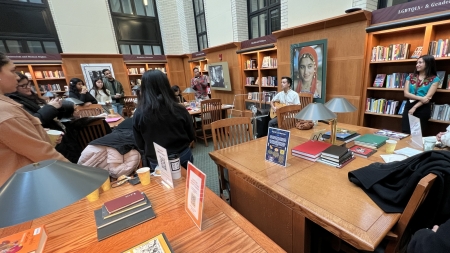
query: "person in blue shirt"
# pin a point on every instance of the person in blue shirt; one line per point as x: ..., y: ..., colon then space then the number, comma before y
x: 419, y: 90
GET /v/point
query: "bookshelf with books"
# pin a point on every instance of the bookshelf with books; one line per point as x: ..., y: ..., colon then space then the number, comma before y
x: 259, y: 73
x: 136, y: 70
x: 386, y: 72
x: 45, y: 77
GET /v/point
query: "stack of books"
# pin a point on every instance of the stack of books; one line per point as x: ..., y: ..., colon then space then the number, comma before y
x: 371, y: 141
x: 122, y: 213
x: 342, y: 135
x: 336, y: 156
x: 310, y: 150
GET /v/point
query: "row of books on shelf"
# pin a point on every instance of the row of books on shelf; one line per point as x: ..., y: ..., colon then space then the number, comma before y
x: 250, y: 64
x: 384, y: 106
x: 439, y: 48
x: 137, y: 81
x: 47, y: 87
x: 265, y: 81
x: 269, y: 62
x: 265, y: 96
x: 398, y: 80
x: 440, y: 112
x: 390, y: 53
x: 48, y: 74
x: 134, y: 71
x: 205, y: 68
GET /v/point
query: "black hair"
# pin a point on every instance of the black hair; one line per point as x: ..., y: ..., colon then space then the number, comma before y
x: 33, y: 95
x: 67, y: 109
x: 96, y: 88
x: 104, y: 70
x: 175, y: 88
x: 430, y: 65
x: 3, y: 60
x: 288, y: 79
x: 156, y: 94
x: 73, y: 85
x: 195, y: 68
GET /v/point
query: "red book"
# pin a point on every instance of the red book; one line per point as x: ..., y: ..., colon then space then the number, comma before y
x: 311, y: 148
x: 362, y: 151
x: 123, y: 201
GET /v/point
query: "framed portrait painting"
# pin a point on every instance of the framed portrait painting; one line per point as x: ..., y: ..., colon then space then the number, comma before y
x: 309, y: 68
x: 219, y: 76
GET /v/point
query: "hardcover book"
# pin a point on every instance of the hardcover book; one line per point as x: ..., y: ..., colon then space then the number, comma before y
x: 441, y: 75
x: 339, y: 160
x: 38, y: 74
x: 311, y: 148
x: 106, y: 214
x: 158, y: 243
x: 371, y: 140
x: 335, y: 151
x: 391, y: 134
x: 379, y: 80
x: 123, y: 201
x: 31, y: 240
x: 362, y: 151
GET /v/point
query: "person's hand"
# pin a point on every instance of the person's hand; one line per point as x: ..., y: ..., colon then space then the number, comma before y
x: 83, y: 90
x: 435, y: 228
x: 439, y: 135
x: 87, y: 103
x: 58, y: 141
x: 425, y: 100
x: 56, y: 102
x: 412, y: 111
x: 118, y: 96
x: 274, y: 109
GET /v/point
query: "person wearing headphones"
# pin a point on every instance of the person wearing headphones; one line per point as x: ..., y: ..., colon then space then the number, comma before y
x: 285, y: 97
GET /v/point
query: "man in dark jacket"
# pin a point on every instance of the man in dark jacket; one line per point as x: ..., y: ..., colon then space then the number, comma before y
x: 116, y: 90
x: 436, y: 240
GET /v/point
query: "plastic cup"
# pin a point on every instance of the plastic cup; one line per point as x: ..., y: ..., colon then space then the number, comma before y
x: 144, y: 175
x: 111, y: 111
x: 53, y: 135
x: 390, y: 146
x: 428, y: 145
x: 106, y: 185
x: 93, y: 196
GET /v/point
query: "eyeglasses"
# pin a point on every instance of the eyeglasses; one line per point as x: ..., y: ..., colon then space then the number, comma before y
x: 24, y: 86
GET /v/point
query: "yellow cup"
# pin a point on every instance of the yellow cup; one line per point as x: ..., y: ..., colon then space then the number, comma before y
x: 93, y: 196
x: 144, y: 175
x: 390, y: 146
x: 106, y: 185
x: 53, y: 135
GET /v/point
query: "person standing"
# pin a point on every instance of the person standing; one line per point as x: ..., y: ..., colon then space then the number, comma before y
x: 286, y: 97
x: 200, y: 84
x: 419, y: 89
x: 116, y: 90
x: 23, y: 140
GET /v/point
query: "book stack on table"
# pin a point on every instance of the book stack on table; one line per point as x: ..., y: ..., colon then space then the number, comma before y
x: 122, y: 213
x: 310, y: 150
x: 336, y: 156
x: 342, y: 135
x: 371, y: 141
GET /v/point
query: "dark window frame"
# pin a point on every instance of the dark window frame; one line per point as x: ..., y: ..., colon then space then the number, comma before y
x: 133, y: 9
x: 200, y: 15
x: 383, y: 4
x: 264, y: 10
x: 22, y: 38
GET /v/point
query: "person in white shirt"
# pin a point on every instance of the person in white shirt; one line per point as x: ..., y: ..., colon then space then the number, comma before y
x: 444, y: 137
x: 102, y: 94
x: 286, y: 97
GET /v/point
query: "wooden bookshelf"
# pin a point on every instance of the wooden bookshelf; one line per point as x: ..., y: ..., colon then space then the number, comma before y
x: 45, y: 77
x: 417, y: 35
x: 136, y: 70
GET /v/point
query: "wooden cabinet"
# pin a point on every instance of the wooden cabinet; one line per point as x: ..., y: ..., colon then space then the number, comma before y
x: 417, y: 35
x: 259, y: 76
x: 45, y: 77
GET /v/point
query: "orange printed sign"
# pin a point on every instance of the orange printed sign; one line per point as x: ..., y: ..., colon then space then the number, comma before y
x: 195, y: 193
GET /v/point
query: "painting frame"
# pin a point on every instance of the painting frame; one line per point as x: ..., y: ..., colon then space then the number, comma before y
x: 222, y: 81
x: 311, y: 55
x: 94, y: 70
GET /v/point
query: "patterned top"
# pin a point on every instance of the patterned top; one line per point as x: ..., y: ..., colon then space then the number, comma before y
x: 420, y: 88
x: 200, y: 84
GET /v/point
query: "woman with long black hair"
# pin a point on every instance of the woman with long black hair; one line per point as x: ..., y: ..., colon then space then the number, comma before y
x: 160, y: 119
x: 78, y: 90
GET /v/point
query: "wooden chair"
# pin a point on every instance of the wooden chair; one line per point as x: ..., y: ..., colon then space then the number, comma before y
x: 88, y: 110
x: 91, y: 132
x: 210, y: 111
x: 129, y: 106
x: 226, y: 133
x: 305, y: 99
x: 395, y: 235
x: 286, y: 116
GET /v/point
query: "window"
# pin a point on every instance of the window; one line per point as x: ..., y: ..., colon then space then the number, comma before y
x: 264, y: 17
x: 30, y: 1
x: 29, y: 46
x: 389, y: 3
x: 136, y: 26
x: 200, y: 24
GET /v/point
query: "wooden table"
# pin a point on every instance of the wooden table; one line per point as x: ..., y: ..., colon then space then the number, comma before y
x: 224, y: 110
x: 115, y: 123
x: 224, y: 230
x: 282, y: 202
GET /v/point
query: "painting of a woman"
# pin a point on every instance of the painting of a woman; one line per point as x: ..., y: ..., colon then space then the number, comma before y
x: 307, y: 72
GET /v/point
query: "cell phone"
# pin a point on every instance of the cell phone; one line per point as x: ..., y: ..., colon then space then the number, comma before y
x: 134, y: 181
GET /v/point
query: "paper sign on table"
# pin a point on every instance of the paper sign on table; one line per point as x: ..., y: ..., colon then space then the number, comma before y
x: 416, y: 131
x: 163, y: 163
x: 195, y: 193
x: 277, y: 146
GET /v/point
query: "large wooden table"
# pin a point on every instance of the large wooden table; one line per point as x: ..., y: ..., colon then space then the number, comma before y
x: 282, y: 202
x: 72, y: 229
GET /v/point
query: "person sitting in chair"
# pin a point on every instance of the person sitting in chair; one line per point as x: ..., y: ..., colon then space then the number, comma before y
x: 285, y: 97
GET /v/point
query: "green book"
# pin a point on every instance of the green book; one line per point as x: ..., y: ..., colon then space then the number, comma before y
x: 372, y: 139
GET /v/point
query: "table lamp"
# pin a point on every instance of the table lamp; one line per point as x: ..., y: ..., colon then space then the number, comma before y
x: 188, y: 91
x: 41, y: 188
x: 339, y: 105
x: 317, y: 111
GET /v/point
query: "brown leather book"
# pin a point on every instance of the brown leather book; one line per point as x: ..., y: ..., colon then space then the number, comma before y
x: 123, y: 201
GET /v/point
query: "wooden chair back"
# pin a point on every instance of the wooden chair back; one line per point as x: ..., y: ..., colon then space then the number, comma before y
x: 210, y: 111
x: 92, y: 131
x: 88, y: 110
x: 231, y: 131
x: 286, y: 116
x: 129, y: 105
x: 305, y: 99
